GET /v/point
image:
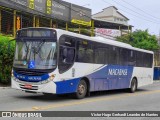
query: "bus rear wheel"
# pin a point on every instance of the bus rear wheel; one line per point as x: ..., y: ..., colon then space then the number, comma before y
x: 81, y: 90
x: 133, y: 87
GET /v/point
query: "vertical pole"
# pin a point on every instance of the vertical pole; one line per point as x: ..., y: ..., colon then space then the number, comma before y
x: 54, y: 25
x: 66, y: 26
x: 18, y: 22
x: 92, y: 28
x: 21, y: 21
x: 51, y: 22
x: 120, y: 30
x: 131, y: 29
x: 14, y: 23
x: 37, y: 21
x: 34, y: 21
x: 0, y: 21
x: 79, y: 29
x: 128, y: 29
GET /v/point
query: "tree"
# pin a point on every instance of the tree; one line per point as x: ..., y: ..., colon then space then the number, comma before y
x: 141, y: 39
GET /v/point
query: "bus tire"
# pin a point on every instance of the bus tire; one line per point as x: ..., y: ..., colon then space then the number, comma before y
x: 81, y: 90
x: 133, y: 87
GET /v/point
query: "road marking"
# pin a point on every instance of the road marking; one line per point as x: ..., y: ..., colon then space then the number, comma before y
x: 83, y: 101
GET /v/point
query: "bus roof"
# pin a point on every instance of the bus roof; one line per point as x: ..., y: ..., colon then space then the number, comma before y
x: 95, y: 39
x: 103, y: 40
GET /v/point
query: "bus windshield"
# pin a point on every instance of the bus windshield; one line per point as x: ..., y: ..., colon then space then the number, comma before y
x: 35, y: 54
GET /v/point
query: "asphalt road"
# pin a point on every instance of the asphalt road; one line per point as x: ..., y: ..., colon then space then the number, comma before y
x: 147, y: 98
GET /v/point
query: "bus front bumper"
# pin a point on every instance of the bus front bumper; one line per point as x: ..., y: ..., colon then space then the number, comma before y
x: 49, y: 87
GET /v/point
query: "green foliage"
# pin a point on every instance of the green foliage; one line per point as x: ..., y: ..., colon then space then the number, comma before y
x: 86, y: 32
x: 141, y: 39
x: 6, y: 59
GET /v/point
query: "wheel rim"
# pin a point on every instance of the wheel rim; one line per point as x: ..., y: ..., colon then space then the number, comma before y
x: 81, y: 89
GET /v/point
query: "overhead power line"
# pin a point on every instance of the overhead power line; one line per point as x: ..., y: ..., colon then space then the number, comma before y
x: 142, y: 15
x: 141, y: 10
x: 139, y: 17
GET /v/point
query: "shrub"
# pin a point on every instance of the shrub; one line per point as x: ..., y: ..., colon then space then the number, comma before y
x: 6, y: 59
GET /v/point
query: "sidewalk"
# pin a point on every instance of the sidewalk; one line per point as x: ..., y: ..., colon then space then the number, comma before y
x: 2, y: 86
x: 156, y: 80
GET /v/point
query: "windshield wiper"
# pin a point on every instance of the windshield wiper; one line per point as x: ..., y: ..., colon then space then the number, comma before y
x: 36, y: 49
x: 27, y: 48
x: 39, y: 46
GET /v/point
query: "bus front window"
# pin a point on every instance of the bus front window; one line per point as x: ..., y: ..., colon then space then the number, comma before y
x: 35, y: 55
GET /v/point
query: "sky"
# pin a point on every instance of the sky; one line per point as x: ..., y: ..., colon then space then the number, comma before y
x: 143, y: 14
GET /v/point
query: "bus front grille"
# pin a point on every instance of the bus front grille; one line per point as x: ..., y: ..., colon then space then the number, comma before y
x: 32, y: 88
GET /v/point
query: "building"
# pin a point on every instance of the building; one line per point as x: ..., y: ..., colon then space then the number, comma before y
x: 17, y: 14
x: 111, y: 22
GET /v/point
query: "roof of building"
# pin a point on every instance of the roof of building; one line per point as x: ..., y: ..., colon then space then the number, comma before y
x: 108, y: 8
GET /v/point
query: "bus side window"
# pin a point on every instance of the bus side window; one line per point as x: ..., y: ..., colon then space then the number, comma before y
x: 80, y: 52
x: 139, y: 59
x: 123, y: 57
x: 99, y: 56
x: 148, y: 60
x: 84, y: 52
x: 101, y: 53
x: 131, y: 58
x: 113, y: 55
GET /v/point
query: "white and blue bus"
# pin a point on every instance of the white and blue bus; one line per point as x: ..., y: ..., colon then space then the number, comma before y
x: 61, y: 62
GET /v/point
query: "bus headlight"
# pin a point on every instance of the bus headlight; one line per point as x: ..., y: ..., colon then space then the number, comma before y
x: 48, y: 80
x: 52, y: 77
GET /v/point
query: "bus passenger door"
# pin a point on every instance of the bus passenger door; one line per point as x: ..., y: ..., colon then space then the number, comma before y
x: 66, y: 56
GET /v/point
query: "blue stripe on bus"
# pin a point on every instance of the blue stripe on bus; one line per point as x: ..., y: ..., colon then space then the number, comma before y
x: 107, y: 78
x: 111, y: 77
x: 68, y: 86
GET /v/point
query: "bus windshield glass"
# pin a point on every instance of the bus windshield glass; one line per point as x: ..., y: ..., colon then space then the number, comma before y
x: 37, y: 54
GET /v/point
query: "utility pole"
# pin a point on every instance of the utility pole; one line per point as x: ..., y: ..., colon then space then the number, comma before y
x: 14, y: 23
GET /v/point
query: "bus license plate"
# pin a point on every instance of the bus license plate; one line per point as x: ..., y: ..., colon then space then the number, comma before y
x: 28, y: 86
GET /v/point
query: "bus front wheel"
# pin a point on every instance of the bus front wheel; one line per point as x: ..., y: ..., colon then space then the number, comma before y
x: 133, y: 87
x: 81, y: 90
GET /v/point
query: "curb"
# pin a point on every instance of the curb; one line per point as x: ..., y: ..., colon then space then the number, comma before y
x: 5, y: 87
x: 156, y: 81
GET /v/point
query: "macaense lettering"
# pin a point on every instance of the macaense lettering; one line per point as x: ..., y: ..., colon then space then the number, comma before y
x: 118, y: 72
